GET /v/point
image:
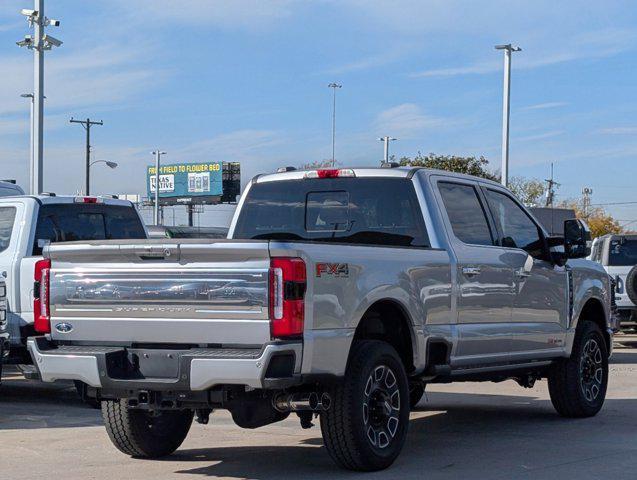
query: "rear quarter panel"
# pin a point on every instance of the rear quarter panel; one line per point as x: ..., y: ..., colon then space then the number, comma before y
x: 418, y: 279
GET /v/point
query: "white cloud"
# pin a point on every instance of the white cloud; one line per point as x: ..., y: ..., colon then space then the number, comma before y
x: 538, y: 136
x: 580, y: 46
x: 405, y: 121
x: 544, y: 106
x: 244, y: 14
x: 619, y: 130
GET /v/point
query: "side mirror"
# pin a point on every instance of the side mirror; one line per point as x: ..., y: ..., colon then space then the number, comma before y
x: 577, y: 239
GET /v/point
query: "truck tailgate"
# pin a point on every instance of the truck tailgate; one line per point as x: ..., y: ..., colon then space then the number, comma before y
x: 160, y: 291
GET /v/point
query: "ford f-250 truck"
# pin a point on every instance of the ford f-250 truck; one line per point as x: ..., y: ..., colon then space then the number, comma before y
x: 338, y: 294
x: 26, y: 222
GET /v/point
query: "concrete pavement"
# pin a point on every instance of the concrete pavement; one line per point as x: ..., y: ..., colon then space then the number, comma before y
x: 468, y: 431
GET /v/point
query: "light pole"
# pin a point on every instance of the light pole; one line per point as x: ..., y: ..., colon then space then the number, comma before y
x: 334, y: 86
x: 39, y: 42
x: 30, y: 95
x: 158, y: 153
x: 386, y: 141
x: 508, y: 48
x: 110, y: 164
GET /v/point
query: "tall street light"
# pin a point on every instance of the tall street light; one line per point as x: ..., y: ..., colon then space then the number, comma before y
x: 30, y: 95
x: 158, y: 153
x: 386, y: 141
x: 39, y: 42
x: 108, y: 163
x: 334, y: 86
x: 506, y: 108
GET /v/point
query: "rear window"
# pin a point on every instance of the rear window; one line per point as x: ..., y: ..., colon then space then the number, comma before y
x: 71, y: 222
x: 623, y: 252
x: 376, y: 211
x: 7, y: 218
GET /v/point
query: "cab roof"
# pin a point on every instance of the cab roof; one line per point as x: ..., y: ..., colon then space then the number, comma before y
x: 388, y: 172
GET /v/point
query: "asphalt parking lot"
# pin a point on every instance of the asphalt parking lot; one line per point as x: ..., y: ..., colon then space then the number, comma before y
x: 469, y: 431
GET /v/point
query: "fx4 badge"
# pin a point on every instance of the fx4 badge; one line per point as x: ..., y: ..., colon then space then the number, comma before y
x: 334, y: 269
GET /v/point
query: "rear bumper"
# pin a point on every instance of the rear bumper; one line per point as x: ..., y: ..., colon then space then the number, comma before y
x: 276, y: 365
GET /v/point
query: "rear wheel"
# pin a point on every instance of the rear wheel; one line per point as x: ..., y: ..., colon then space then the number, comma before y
x: 577, y: 385
x: 366, y: 425
x: 143, y: 434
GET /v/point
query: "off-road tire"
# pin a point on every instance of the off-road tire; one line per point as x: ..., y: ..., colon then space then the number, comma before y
x: 631, y: 284
x: 360, y: 403
x: 141, y: 434
x: 571, y: 393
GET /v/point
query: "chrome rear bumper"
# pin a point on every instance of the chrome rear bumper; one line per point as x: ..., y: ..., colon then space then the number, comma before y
x: 194, y: 369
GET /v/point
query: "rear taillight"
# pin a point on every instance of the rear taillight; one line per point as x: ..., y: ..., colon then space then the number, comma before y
x: 287, y: 293
x: 41, y: 314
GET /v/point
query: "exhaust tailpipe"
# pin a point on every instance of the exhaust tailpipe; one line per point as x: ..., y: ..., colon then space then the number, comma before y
x: 304, y: 401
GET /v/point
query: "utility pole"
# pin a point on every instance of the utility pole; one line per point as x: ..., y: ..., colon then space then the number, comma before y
x: 334, y: 86
x: 39, y: 42
x: 87, y: 124
x: 506, y: 109
x: 386, y: 140
x: 586, y: 200
x: 158, y: 153
x: 550, y: 189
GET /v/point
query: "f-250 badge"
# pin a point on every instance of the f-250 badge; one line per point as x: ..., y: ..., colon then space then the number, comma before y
x: 334, y: 269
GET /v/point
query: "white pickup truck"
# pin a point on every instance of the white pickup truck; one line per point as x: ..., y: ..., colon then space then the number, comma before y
x: 339, y: 293
x: 29, y: 222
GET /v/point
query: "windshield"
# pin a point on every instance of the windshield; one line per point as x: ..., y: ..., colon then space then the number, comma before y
x: 623, y: 252
x: 378, y: 211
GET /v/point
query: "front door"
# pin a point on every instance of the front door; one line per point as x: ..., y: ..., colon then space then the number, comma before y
x: 540, y: 304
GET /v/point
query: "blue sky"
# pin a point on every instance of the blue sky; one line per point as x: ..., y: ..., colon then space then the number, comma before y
x: 246, y: 80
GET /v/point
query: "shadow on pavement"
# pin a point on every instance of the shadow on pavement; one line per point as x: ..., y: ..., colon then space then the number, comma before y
x: 507, y: 436
x: 26, y: 404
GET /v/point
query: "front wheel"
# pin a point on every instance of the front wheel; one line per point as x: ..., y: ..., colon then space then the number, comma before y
x: 577, y: 385
x: 144, y: 434
x: 366, y: 425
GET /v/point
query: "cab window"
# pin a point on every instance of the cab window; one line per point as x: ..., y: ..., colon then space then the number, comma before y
x: 515, y: 226
x: 465, y: 212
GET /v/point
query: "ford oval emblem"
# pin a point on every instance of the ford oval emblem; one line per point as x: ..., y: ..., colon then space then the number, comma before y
x: 64, y: 327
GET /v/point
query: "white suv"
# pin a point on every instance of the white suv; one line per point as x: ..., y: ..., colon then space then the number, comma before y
x: 618, y: 255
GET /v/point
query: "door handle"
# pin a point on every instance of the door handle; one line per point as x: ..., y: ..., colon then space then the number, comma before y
x: 471, y: 271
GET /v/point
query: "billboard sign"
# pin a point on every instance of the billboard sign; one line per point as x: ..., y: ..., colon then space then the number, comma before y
x: 186, y: 181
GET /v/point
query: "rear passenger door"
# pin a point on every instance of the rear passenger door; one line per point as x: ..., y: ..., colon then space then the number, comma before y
x: 540, y: 304
x: 484, y: 277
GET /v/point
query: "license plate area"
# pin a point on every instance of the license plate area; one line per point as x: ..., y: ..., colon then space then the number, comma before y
x: 143, y: 363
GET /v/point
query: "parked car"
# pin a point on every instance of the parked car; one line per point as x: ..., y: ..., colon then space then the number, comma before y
x: 9, y: 189
x: 339, y: 293
x: 617, y: 253
x: 27, y: 223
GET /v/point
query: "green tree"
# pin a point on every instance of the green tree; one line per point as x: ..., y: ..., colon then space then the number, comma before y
x: 599, y: 221
x: 476, y: 166
x: 529, y: 190
x: 317, y: 164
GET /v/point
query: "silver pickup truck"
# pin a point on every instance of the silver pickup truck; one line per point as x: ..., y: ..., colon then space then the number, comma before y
x: 339, y: 294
